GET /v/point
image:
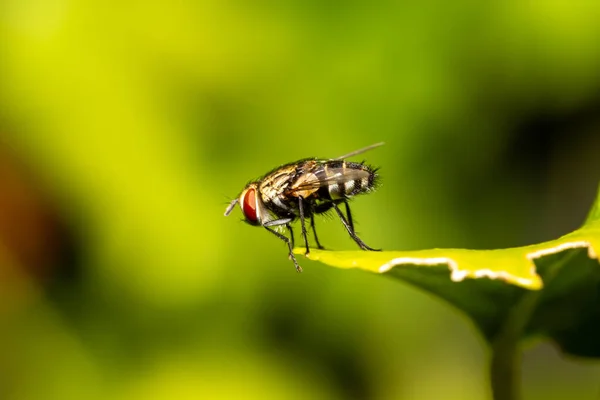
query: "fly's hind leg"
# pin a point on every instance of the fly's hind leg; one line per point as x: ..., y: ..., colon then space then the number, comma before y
x: 349, y: 215
x: 350, y: 228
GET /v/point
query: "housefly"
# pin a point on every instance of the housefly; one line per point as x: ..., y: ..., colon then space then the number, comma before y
x: 302, y: 189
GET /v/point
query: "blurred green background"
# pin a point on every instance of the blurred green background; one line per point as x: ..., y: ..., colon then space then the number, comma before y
x: 126, y: 127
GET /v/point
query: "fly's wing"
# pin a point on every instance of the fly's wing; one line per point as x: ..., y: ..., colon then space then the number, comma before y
x: 313, y: 181
x: 359, y: 151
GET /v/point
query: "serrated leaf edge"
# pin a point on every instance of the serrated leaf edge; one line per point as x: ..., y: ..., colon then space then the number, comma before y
x: 458, y: 275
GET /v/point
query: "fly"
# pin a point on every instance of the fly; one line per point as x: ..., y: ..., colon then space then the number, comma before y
x: 302, y: 189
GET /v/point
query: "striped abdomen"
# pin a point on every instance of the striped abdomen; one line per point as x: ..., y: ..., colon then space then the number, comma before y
x: 346, y: 179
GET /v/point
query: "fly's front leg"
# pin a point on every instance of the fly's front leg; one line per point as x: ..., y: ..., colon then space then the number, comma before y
x: 303, y: 223
x: 289, y: 242
x: 291, y: 236
x: 289, y: 227
x: 285, y: 239
x: 350, y: 229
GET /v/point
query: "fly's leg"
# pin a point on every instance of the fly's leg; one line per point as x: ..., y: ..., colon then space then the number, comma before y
x: 286, y: 222
x: 303, y: 223
x: 289, y: 227
x: 291, y: 237
x: 289, y: 244
x: 350, y: 229
x: 312, y: 225
x: 278, y: 222
x: 349, y: 214
x: 319, y: 209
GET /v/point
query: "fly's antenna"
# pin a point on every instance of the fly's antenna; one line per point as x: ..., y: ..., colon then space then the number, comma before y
x: 230, y: 207
x: 360, y: 151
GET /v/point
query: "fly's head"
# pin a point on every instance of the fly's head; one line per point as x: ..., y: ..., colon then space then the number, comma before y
x: 251, y: 205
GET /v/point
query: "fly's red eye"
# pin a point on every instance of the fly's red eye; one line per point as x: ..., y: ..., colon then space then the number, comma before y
x: 249, y: 206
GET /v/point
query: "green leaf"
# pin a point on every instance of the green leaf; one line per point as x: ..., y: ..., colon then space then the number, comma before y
x: 551, y: 288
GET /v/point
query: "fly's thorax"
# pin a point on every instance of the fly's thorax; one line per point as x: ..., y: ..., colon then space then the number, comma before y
x: 276, y: 182
x: 272, y: 197
x: 276, y: 185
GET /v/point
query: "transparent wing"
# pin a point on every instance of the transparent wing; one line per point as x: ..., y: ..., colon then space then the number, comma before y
x: 311, y: 181
x: 359, y: 151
